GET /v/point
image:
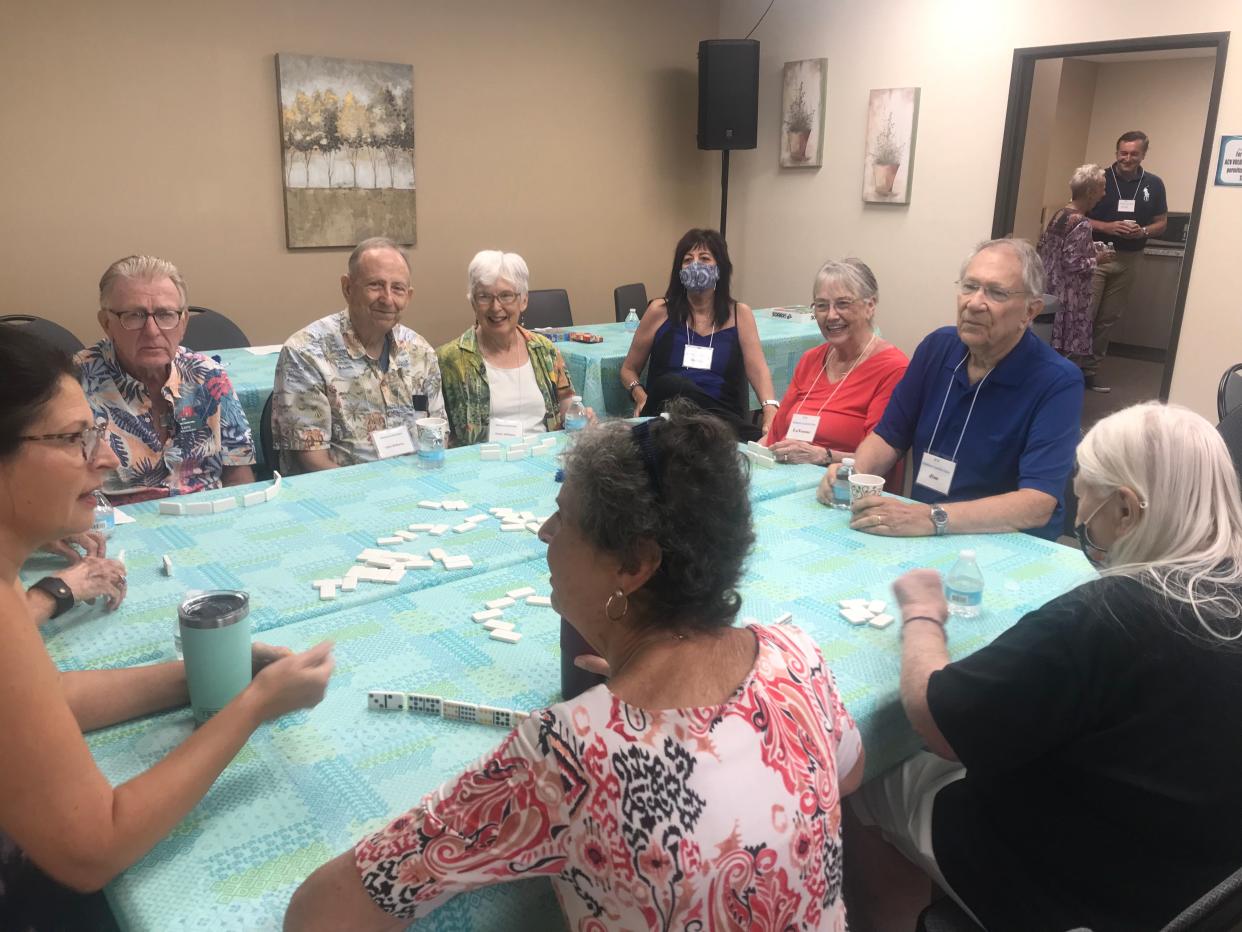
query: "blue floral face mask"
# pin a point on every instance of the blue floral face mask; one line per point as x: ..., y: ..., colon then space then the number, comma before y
x: 699, y: 276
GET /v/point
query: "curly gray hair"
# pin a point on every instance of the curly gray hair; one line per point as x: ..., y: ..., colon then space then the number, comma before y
x: 1085, y: 177
x: 700, y: 519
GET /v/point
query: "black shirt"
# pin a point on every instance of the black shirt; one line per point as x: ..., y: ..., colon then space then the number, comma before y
x: 1147, y: 192
x: 1102, y: 739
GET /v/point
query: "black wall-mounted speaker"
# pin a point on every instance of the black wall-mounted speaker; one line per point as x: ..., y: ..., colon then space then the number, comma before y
x: 728, y: 93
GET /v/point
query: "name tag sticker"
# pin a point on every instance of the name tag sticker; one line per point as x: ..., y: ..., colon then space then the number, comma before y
x: 503, y: 428
x: 936, y: 473
x: 1125, y: 207
x: 697, y: 357
x: 394, y: 441
x: 803, y: 427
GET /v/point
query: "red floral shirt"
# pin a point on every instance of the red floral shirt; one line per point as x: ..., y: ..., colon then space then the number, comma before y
x: 723, y: 817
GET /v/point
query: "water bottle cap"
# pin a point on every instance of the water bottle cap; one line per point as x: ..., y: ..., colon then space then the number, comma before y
x: 847, y: 461
x: 577, y: 398
x: 966, y: 554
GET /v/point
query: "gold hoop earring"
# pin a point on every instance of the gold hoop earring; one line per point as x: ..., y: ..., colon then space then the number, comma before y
x: 625, y: 608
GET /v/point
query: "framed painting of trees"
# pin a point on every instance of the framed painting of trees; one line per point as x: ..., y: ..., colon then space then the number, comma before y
x: 347, y: 142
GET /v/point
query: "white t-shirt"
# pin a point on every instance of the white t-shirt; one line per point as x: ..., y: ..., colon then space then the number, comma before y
x: 516, y: 397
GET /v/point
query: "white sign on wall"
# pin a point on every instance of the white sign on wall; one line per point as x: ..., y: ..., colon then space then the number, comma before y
x: 1229, y: 164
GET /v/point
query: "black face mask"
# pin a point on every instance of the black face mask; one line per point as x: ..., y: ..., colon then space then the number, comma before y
x: 1085, y: 542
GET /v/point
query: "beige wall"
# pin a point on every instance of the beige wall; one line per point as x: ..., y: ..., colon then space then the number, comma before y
x: 1168, y: 100
x: 1040, y: 123
x: 1067, y: 147
x: 563, y: 130
x: 960, y: 52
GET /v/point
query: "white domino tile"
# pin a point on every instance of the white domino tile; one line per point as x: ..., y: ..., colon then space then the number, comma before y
x: 509, y: 637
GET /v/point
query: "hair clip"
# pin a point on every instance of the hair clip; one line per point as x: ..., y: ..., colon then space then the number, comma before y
x: 642, y: 436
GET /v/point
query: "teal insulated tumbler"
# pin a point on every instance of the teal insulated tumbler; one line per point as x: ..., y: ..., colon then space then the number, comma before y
x: 215, y: 639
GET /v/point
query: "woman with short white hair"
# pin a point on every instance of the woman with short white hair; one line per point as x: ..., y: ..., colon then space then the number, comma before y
x: 1084, y: 767
x: 500, y: 380
x: 1070, y: 257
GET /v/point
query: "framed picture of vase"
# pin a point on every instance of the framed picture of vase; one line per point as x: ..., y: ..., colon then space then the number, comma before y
x: 347, y: 143
x: 888, y: 168
x: 803, y: 89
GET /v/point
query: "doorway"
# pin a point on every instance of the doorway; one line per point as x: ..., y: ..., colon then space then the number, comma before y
x: 1067, y: 106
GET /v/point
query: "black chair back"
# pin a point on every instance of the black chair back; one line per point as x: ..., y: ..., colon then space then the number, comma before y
x: 1231, y: 429
x: 267, y: 442
x: 211, y: 330
x: 548, y: 307
x: 1229, y: 392
x: 625, y: 297
x: 45, y: 330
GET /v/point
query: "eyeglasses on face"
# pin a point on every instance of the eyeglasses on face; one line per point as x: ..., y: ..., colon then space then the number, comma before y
x: 88, y: 438
x: 968, y: 286
x: 842, y: 305
x: 165, y: 318
x: 505, y: 299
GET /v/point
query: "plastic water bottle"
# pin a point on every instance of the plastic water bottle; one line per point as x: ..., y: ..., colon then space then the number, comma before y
x: 841, y: 485
x: 575, y: 415
x: 105, y: 515
x: 631, y: 320
x: 963, y: 590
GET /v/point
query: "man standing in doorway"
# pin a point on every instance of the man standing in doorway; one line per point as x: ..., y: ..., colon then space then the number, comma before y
x: 1133, y: 208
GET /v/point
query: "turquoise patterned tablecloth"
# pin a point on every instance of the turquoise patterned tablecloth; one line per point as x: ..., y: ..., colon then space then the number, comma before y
x: 307, y: 786
x: 595, y: 368
x: 314, y: 529
x: 252, y: 377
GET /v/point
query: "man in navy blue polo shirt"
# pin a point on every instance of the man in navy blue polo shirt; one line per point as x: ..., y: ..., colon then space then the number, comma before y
x: 990, y: 411
x: 1133, y: 208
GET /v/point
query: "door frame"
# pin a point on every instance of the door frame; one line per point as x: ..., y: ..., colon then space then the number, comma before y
x: 1021, y: 81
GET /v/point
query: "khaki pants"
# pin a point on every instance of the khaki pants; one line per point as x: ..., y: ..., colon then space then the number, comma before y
x: 1110, y: 290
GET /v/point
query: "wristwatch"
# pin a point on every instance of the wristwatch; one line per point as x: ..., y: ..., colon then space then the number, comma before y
x: 633, y: 385
x: 940, y: 520
x: 61, y: 594
x: 771, y: 402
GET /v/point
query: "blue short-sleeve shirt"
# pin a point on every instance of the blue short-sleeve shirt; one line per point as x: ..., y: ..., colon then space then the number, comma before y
x: 1023, y: 432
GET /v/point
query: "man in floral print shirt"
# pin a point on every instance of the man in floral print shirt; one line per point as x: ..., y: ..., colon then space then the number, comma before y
x: 356, y: 372
x: 174, y: 421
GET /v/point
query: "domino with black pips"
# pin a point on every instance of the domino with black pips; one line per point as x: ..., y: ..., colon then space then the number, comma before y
x: 422, y: 703
x: 384, y: 700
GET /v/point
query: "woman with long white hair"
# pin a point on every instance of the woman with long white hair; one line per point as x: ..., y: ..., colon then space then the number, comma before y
x: 1085, y: 769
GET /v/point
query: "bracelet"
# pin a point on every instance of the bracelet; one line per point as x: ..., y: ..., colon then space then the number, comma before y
x: 630, y: 388
x: 935, y: 621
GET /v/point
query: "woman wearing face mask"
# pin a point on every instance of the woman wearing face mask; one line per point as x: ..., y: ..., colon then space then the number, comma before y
x: 1083, y: 768
x: 702, y: 345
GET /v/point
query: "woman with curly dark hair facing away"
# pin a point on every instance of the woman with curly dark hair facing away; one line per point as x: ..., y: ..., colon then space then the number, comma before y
x: 628, y: 795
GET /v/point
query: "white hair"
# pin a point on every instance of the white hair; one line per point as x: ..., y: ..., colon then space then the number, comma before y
x: 1033, y: 277
x: 492, y: 265
x: 854, y: 274
x: 1188, y: 545
x: 1084, y: 178
x: 143, y: 269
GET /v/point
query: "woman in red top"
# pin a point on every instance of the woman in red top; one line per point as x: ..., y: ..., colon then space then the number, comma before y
x: 840, y: 389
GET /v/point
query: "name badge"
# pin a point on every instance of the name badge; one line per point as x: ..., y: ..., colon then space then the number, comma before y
x: 803, y: 427
x: 503, y: 428
x: 697, y: 357
x: 936, y: 473
x: 394, y: 441
x: 1125, y: 207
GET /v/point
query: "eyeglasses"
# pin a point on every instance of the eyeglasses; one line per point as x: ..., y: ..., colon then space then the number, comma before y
x: 504, y: 299
x: 165, y: 319
x: 968, y: 286
x: 375, y: 289
x: 842, y: 305
x: 89, y: 438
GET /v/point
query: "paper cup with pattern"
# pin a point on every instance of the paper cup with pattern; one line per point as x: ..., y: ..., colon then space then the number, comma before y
x: 862, y: 484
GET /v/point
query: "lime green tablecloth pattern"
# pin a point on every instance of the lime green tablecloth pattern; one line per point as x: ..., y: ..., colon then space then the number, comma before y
x: 595, y: 368
x: 307, y: 786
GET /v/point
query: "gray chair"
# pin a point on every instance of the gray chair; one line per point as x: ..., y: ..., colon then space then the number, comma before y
x: 625, y: 297
x: 1229, y: 392
x: 548, y: 307
x: 45, y: 330
x: 211, y: 330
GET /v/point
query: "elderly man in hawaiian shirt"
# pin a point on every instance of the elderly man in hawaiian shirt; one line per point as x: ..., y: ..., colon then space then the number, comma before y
x: 174, y: 421
x: 356, y: 373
